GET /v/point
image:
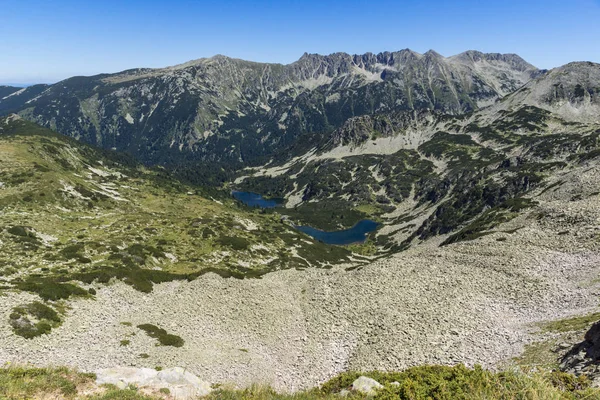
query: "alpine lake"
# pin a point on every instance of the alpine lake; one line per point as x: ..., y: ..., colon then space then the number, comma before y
x: 357, y: 234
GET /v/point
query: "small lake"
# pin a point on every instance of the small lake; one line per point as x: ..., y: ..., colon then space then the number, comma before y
x: 256, y: 200
x: 357, y: 234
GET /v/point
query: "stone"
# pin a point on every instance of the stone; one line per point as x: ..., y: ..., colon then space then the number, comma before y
x: 127, y: 375
x: 181, y: 383
x: 366, y: 385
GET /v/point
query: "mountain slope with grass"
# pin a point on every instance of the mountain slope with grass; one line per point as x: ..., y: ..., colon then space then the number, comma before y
x: 74, y: 217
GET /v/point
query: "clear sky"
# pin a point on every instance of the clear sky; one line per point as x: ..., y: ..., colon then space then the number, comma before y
x: 49, y: 40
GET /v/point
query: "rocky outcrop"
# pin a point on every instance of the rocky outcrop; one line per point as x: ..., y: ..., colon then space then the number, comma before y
x: 358, y: 130
x: 366, y: 385
x: 584, y: 358
x: 180, y: 383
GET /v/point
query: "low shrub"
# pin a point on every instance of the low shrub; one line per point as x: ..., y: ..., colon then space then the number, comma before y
x: 164, y: 338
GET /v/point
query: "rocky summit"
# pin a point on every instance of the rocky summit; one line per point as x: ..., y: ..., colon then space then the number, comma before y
x: 124, y: 254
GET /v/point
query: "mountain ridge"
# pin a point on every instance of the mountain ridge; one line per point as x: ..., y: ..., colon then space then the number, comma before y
x: 231, y: 110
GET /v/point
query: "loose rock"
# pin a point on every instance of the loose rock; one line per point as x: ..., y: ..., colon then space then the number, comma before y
x: 366, y: 385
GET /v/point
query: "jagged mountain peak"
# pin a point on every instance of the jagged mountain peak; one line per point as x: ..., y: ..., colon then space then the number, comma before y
x: 433, y: 54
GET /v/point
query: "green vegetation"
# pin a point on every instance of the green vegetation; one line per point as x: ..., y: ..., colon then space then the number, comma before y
x: 571, y: 324
x: 34, y: 319
x: 94, y: 216
x: 417, y: 383
x: 164, y: 338
x: 28, y: 383
x: 117, y: 394
x: 567, y: 330
x: 48, y: 289
x: 483, y: 224
x: 540, y: 354
x: 337, y: 194
x: 459, y: 382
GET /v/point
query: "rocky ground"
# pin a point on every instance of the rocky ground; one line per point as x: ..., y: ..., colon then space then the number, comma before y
x: 471, y: 302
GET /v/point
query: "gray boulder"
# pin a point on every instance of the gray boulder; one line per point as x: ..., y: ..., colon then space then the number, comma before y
x: 366, y: 385
x: 181, y: 383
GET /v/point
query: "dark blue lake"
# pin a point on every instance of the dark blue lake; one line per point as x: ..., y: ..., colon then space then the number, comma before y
x: 255, y: 200
x: 356, y: 234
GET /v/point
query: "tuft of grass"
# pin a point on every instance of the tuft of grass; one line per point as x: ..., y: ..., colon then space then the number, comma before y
x: 117, y: 394
x: 164, y: 338
x: 570, y: 324
x: 539, y: 354
x: 258, y: 392
x: 19, y: 382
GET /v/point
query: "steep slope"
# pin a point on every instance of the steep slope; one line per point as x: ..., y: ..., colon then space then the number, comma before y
x: 238, y: 111
x: 13, y: 98
x: 476, y: 302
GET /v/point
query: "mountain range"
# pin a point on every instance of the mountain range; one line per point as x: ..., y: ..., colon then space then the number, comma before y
x: 224, y: 109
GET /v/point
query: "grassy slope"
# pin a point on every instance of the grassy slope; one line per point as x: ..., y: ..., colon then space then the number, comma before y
x: 72, y: 216
x: 426, y: 382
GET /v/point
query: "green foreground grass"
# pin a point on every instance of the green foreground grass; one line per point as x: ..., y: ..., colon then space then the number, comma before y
x: 424, y: 382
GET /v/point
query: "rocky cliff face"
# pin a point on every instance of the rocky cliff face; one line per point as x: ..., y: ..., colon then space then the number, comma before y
x: 233, y: 110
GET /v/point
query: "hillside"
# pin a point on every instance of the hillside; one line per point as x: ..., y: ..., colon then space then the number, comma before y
x: 479, y: 301
x: 70, y: 212
x: 425, y: 173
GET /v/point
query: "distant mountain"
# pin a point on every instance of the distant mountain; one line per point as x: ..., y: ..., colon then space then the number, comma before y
x: 17, y: 85
x: 224, y: 109
x: 7, y: 90
x: 571, y: 91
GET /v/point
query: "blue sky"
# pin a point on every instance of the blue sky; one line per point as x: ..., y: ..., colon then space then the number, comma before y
x: 49, y: 40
